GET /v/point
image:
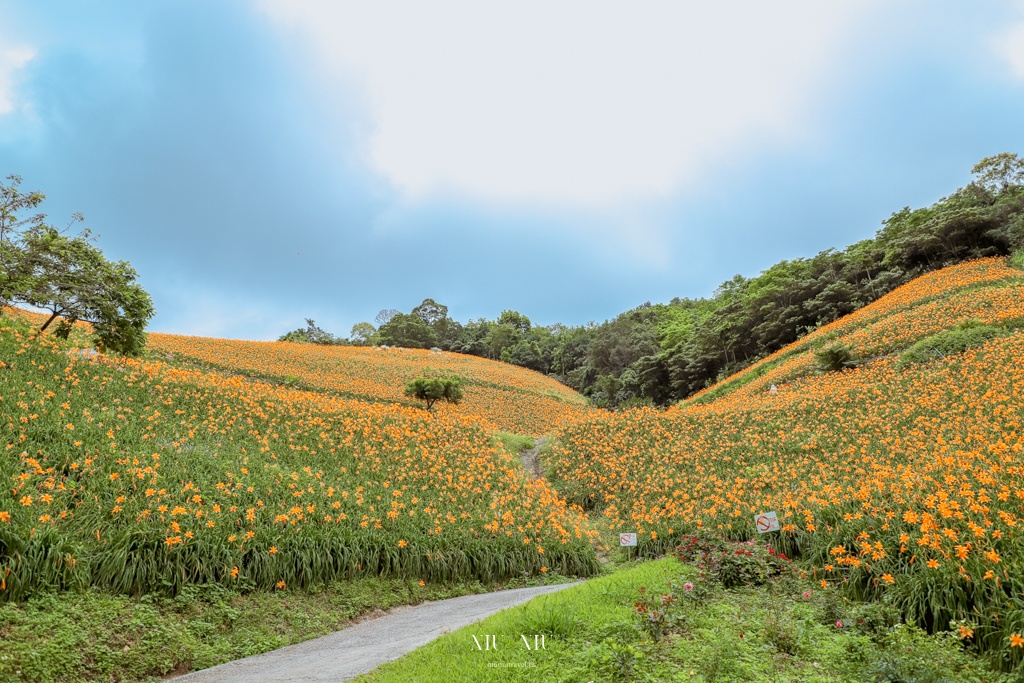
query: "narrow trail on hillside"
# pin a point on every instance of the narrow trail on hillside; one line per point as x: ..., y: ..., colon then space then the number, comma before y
x: 360, y: 648
x: 531, y: 458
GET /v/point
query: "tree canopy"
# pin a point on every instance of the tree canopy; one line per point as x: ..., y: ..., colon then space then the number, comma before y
x: 311, y: 334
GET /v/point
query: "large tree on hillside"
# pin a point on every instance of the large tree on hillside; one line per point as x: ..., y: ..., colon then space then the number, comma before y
x: 69, y: 277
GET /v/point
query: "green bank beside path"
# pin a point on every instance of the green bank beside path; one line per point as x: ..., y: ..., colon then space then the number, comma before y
x: 642, y: 624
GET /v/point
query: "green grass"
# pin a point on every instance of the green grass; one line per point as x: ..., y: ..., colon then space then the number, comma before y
x: 1016, y: 259
x: 514, y: 443
x: 784, y: 631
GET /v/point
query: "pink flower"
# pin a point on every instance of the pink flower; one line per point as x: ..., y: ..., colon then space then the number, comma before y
x: 839, y: 624
x: 807, y: 594
x: 688, y: 586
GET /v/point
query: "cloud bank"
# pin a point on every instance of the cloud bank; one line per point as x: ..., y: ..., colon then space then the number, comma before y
x: 571, y: 103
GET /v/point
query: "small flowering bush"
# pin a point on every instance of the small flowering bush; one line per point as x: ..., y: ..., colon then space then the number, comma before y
x: 653, y: 611
x: 732, y: 563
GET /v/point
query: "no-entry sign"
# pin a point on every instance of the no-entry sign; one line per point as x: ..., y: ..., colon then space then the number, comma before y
x: 627, y: 539
x: 766, y: 521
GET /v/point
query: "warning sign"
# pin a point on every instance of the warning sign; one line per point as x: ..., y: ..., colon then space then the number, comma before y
x: 766, y: 521
x: 627, y: 539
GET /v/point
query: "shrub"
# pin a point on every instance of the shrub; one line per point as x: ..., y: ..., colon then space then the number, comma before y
x: 434, y: 390
x: 834, y: 357
x: 732, y: 563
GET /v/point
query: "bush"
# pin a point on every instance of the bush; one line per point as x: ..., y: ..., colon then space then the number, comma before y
x: 1016, y: 259
x: 436, y: 389
x: 834, y: 357
x: 732, y: 563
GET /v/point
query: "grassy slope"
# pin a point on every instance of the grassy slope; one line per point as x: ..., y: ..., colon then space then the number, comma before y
x: 897, y: 483
x: 668, y: 472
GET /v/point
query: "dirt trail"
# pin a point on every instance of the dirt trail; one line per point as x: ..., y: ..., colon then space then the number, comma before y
x: 363, y: 647
x: 531, y: 458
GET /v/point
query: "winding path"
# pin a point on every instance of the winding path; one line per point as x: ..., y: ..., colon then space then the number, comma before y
x: 363, y: 647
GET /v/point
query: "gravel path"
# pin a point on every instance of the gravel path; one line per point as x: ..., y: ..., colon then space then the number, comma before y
x: 365, y: 646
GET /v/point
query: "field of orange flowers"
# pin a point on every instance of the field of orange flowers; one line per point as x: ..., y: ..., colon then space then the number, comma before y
x: 141, y: 476
x: 921, y: 307
x: 898, y: 484
x: 511, y: 399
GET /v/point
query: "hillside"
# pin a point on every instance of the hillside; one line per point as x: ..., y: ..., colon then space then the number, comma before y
x: 141, y: 476
x: 509, y: 398
x: 900, y: 478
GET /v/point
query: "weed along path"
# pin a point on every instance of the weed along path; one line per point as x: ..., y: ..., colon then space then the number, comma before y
x: 368, y: 644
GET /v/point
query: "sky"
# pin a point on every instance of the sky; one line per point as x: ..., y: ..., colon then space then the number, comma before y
x: 262, y: 162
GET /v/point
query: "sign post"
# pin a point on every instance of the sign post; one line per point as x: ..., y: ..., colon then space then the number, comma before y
x: 766, y: 522
x: 627, y: 540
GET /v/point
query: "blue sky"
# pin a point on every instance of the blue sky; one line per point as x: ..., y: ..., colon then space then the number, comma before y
x: 264, y: 162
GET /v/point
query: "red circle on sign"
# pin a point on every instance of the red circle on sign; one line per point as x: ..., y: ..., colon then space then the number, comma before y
x: 764, y: 523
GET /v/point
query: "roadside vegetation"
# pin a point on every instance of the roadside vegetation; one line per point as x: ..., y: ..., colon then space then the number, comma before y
x: 95, y: 635
x: 670, y: 621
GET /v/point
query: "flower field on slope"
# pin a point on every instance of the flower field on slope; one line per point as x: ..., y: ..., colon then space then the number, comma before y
x: 924, y: 305
x: 512, y: 399
x: 140, y: 477
x: 898, y: 484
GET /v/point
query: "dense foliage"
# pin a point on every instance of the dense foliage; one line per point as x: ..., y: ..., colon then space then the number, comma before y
x: 659, y: 353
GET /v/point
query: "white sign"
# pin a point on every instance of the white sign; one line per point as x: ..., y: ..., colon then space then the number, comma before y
x: 766, y: 521
x: 627, y: 539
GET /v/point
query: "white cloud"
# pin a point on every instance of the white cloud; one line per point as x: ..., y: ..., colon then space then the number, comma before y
x: 11, y: 59
x: 580, y: 102
x: 1009, y: 45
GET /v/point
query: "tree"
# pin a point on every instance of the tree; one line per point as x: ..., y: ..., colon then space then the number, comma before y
x: 999, y: 173
x: 362, y: 333
x: 435, y: 315
x: 41, y: 267
x: 431, y: 312
x: 405, y: 329
x: 515, y: 319
x: 310, y: 335
x: 12, y: 201
x: 384, y: 316
x: 435, y: 389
